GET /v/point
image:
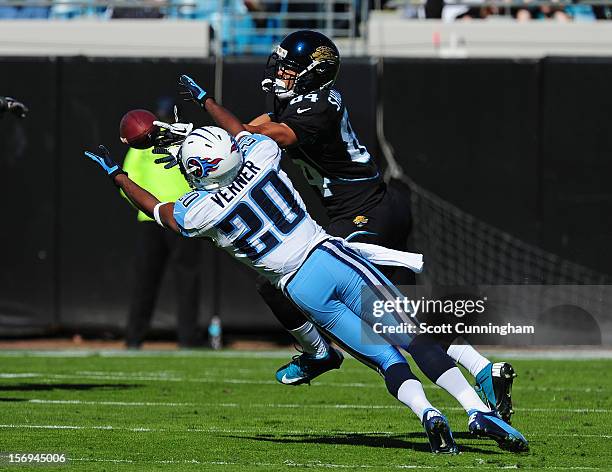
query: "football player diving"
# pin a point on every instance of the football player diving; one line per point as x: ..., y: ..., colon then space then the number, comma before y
x: 310, y: 122
x: 13, y: 106
x: 247, y: 205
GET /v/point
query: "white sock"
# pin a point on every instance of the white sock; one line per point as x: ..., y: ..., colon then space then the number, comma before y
x: 468, y: 357
x: 310, y: 340
x: 454, y: 383
x: 412, y: 395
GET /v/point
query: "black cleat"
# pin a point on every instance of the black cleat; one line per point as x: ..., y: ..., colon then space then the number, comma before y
x: 490, y: 425
x: 494, y: 386
x: 304, y: 368
x: 439, y: 433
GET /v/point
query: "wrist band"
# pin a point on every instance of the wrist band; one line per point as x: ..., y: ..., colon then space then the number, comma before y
x: 156, y: 214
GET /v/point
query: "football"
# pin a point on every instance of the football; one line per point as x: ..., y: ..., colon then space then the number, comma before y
x: 137, y: 129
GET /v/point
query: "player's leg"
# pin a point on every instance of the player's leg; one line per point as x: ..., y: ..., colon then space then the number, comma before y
x: 493, y: 380
x: 292, y: 319
x: 389, y: 224
x: 187, y: 266
x: 430, y: 356
x: 317, y: 357
x: 150, y: 258
x: 315, y: 288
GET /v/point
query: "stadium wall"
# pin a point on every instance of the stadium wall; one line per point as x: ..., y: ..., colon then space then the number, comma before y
x: 519, y: 144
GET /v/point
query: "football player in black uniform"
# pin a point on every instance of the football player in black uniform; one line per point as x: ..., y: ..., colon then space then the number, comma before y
x: 311, y: 123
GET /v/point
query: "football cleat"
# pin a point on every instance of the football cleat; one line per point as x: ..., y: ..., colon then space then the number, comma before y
x: 305, y: 367
x: 494, y: 386
x: 490, y: 425
x: 439, y: 433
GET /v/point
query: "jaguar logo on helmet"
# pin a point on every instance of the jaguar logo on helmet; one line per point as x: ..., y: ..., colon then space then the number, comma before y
x: 202, y: 166
x: 323, y: 53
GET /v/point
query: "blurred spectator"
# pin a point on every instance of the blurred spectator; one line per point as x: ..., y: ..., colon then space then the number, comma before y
x: 580, y: 12
x: 433, y: 8
x: 603, y: 12
x: 158, y: 248
x: 543, y: 12
x: 554, y: 10
x: 65, y: 10
x: 24, y: 11
x: 453, y: 12
x: 139, y: 10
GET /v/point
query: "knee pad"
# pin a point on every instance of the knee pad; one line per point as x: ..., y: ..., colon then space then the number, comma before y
x: 431, y: 358
x: 396, y: 375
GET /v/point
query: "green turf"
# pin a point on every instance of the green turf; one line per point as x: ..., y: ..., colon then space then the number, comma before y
x: 224, y: 411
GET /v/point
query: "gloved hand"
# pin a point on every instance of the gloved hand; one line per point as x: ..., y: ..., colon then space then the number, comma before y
x: 171, y: 133
x: 169, y: 155
x: 104, y: 160
x: 192, y: 91
x: 12, y: 105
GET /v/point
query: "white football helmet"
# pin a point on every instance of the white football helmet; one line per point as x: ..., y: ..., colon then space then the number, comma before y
x: 209, y: 158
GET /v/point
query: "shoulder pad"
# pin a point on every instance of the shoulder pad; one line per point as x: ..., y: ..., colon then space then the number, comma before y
x: 182, y: 213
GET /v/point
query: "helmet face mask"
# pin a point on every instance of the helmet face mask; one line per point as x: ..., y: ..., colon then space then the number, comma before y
x: 209, y: 158
x: 305, y: 61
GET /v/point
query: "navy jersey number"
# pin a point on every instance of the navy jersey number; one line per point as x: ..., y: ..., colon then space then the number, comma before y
x: 243, y: 214
x: 252, y: 246
x: 261, y: 194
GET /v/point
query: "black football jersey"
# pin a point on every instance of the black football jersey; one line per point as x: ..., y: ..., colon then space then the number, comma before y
x: 330, y: 155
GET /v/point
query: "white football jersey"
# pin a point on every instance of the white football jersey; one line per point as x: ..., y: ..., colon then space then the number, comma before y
x: 260, y: 218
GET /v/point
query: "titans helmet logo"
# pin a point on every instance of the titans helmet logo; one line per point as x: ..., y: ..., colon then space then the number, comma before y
x: 202, y: 166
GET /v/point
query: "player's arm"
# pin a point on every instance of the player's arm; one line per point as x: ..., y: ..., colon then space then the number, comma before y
x: 163, y: 213
x: 279, y: 132
x: 261, y: 119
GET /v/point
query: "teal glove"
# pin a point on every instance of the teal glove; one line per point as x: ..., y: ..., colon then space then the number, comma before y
x: 191, y: 91
x: 105, y: 161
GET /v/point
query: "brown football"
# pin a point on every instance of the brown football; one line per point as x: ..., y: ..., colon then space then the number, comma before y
x: 137, y: 129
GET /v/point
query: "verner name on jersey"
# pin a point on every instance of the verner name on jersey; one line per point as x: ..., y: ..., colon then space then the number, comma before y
x: 225, y: 195
x: 255, y: 213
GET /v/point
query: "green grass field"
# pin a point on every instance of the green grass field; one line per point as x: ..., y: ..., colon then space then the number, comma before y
x: 224, y: 411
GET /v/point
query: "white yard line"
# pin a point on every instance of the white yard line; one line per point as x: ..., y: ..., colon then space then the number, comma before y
x: 560, y: 354
x: 340, y: 406
x: 154, y: 377
x: 107, y: 403
x: 317, y: 464
x: 280, y: 354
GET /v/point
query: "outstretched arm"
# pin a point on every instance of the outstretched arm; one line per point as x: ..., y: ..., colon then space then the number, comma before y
x: 223, y: 117
x: 279, y: 132
x: 140, y: 197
